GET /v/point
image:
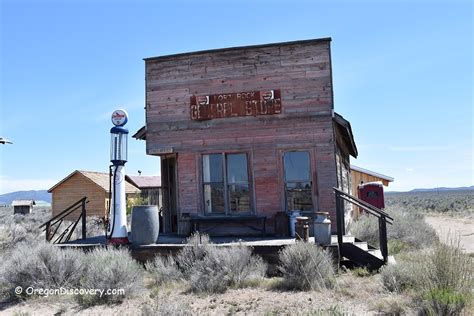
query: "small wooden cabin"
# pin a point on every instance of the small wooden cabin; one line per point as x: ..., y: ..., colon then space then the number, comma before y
x: 360, y: 175
x: 23, y: 206
x: 246, y: 132
x: 149, y: 186
x: 94, y: 185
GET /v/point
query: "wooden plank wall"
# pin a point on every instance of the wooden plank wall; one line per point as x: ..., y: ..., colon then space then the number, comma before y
x: 302, y: 71
x: 74, y: 189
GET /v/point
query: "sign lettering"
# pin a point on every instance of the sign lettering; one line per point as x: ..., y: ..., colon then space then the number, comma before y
x: 251, y: 103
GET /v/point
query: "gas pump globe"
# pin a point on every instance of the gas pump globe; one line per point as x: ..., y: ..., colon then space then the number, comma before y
x: 117, y: 224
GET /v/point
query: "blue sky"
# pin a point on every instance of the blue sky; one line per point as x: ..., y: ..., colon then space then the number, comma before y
x: 402, y: 75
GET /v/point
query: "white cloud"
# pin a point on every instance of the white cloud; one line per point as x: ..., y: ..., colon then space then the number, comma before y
x: 8, y: 185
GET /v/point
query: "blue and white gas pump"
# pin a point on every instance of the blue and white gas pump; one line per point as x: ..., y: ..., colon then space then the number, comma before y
x: 117, y: 223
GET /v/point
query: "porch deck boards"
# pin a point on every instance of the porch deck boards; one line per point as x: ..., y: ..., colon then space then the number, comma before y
x: 266, y: 247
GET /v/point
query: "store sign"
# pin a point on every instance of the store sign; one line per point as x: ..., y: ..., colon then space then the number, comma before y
x: 250, y: 103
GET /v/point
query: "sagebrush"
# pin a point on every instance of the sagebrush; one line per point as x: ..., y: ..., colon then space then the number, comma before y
x: 41, y: 266
x: 440, y: 279
x: 409, y: 231
x: 110, y: 269
x: 306, y: 266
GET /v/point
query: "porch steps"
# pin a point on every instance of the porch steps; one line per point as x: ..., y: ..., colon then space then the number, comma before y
x: 360, y: 254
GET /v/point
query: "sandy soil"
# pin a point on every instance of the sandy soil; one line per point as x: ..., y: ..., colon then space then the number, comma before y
x: 447, y: 227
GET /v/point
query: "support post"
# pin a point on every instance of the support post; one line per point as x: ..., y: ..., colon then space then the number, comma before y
x: 84, y: 215
x: 383, y: 237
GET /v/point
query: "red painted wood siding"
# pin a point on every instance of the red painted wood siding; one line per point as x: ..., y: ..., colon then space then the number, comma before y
x: 302, y: 71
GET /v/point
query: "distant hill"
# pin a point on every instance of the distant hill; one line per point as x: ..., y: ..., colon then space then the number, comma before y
x: 40, y: 195
x: 441, y: 189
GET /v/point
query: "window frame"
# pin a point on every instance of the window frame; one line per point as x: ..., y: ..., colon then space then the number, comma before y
x: 310, y: 179
x: 227, y: 210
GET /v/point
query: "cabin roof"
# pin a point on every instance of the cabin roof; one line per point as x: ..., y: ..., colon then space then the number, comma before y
x: 219, y: 50
x: 144, y: 182
x: 372, y: 173
x: 23, y: 202
x: 99, y: 178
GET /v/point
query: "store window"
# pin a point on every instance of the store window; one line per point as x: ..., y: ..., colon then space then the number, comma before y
x: 298, y: 181
x: 226, y: 183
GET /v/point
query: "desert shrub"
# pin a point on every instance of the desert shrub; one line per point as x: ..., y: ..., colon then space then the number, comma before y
x: 196, y: 248
x: 447, y: 279
x: 40, y: 265
x: 306, y: 266
x: 440, y: 279
x: 163, y: 270
x: 408, y: 231
x: 110, y: 269
x: 400, y: 276
x: 224, y: 267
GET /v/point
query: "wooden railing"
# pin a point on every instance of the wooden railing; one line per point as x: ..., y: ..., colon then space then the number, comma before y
x: 52, y: 226
x: 383, y: 217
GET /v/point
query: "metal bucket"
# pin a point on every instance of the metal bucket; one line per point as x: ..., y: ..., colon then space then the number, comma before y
x: 145, y: 225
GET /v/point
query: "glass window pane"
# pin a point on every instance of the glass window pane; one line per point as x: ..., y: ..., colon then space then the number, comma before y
x: 298, y: 196
x: 212, y: 168
x: 237, y: 168
x: 297, y: 166
x: 214, y: 198
x: 239, y: 197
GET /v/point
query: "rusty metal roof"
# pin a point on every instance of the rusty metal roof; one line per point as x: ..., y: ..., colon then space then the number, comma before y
x: 143, y: 182
x: 100, y: 178
x: 23, y: 202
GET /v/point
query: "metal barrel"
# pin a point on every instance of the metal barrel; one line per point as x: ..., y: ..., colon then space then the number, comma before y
x: 145, y: 225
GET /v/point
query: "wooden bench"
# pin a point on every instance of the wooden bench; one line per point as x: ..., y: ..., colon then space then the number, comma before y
x: 243, y: 219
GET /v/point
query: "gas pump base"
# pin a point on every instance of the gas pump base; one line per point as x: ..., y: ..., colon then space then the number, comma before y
x: 118, y: 241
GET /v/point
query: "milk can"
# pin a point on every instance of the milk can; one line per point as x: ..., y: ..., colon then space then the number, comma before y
x: 293, y: 216
x: 322, y: 228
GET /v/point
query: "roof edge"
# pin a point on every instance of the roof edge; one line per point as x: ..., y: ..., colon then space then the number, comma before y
x: 215, y: 50
x: 372, y: 173
x: 339, y: 119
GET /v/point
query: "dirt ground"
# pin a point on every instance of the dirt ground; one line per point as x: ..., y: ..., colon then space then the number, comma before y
x: 448, y: 227
x: 352, y: 295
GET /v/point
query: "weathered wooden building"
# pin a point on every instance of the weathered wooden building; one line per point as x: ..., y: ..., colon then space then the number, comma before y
x: 149, y: 186
x: 79, y: 184
x: 246, y: 133
x: 23, y: 206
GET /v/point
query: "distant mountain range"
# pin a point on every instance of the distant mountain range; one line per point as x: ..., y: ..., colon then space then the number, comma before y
x: 40, y: 195
x: 441, y: 189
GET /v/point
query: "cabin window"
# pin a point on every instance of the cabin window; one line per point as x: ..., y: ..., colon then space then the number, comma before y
x: 226, y: 183
x: 298, y: 181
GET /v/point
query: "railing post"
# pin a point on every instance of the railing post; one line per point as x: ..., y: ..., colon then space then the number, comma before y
x: 48, y: 231
x: 340, y: 223
x: 84, y: 215
x: 383, y: 237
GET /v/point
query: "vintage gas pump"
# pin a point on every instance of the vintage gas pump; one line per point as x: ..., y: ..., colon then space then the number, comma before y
x: 117, y: 222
